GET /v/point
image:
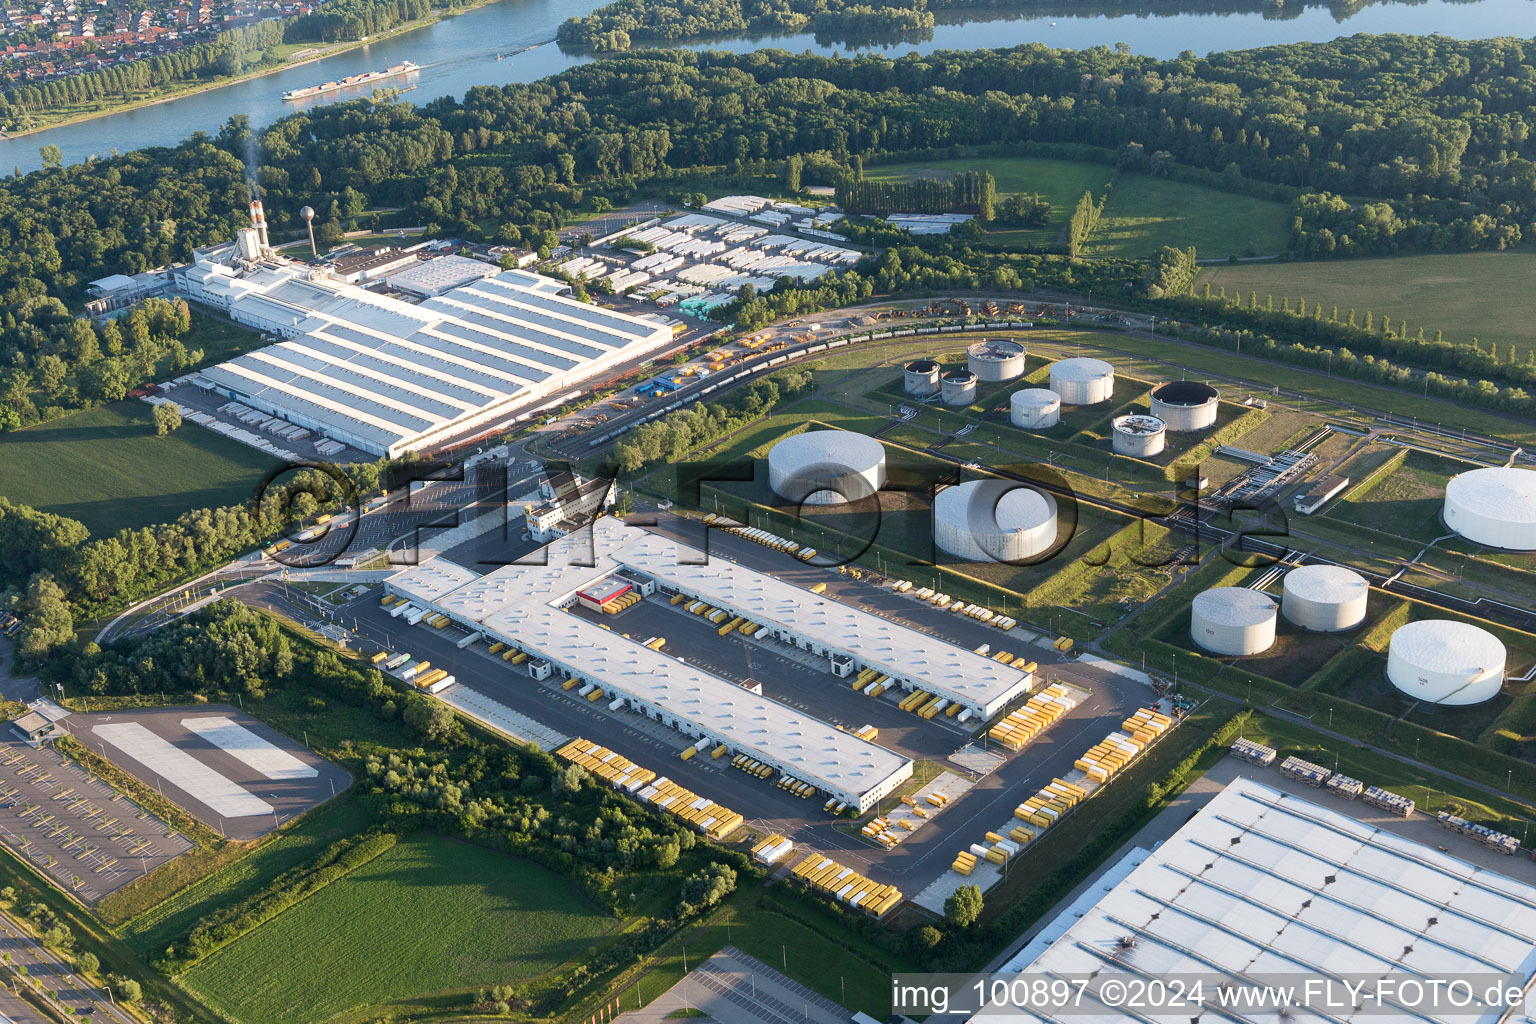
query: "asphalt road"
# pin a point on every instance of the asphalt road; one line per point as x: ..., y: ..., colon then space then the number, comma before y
x: 54, y: 977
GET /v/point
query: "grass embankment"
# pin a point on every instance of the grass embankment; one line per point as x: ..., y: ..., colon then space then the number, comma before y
x: 1482, y: 295
x: 106, y: 468
x: 1143, y: 213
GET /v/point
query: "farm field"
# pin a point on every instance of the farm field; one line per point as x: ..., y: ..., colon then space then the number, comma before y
x: 1143, y: 213
x: 431, y: 915
x: 1450, y: 293
x: 106, y: 468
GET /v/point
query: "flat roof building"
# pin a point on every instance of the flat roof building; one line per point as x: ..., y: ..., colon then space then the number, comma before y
x: 389, y: 376
x: 821, y: 625
x: 1264, y: 887
x: 525, y: 606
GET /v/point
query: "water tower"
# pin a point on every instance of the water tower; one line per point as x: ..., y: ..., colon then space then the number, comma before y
x: 308, y: 213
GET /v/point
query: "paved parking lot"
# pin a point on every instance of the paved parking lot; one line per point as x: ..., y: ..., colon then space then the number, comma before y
x: 224, y: 767
x: 75, y: 828
x: 734, y: 988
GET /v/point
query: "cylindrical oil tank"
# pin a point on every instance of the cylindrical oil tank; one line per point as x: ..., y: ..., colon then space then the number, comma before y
x: 1034, y: 409
x: 1138, y: 435
x: 996, y: 359
x: 958, y: 387
x: 922, y: 377
x: 826, y: 467
x: 1233, y: 620
x: 1444, y: 661
x: 1185, y: 405
x: 994, y: 520
x: 1495, y: 506
x: 1083, y: 381
x: 1325, y: 598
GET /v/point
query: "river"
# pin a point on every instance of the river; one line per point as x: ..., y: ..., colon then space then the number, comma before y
x: 507, y: 41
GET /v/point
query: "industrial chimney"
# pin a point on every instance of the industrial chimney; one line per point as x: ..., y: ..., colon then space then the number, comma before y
x: 259, y: 222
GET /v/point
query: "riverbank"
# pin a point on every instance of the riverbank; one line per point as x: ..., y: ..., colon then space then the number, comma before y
x: 183, y: 90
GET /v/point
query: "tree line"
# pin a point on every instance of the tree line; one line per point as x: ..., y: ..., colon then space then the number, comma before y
x: 973, y: 192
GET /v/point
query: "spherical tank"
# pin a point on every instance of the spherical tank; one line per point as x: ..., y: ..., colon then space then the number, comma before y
x: 1034, y: 409
x: 1139, y: 436
x: 1233, y: 620
x: 1495, y: 506
x: 958, y: 387
x: 1444, y: 661
x: 994, y: 520
x: 1325, y: 598
x: 1185, y: 405
x: 1083, y: 381
x: 922, y: 377
x: 996, y: 360
x: 826, y: 467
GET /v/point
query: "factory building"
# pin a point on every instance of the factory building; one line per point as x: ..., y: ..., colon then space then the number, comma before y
x: 1260, y: 886
x: 1494, y: 506
x: 390, y: 376
x: 568, y: 502
x: 912, y: 658
x: 826, y: 467
x: 525, y: 607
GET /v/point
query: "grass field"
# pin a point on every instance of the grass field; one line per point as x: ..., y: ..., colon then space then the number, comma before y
x: 1143, y: 213
x: 106, y: 468
x: 1466, y: 295
x: 430, y: 916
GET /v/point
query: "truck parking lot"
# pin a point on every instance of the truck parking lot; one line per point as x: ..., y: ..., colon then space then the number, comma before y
x: 800, y: 680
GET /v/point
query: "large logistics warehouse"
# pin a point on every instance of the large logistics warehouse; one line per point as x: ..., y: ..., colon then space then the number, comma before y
x: 524, y: 606
x: 913, y: 659
x: 1264, y: 887
x: 390, y: 376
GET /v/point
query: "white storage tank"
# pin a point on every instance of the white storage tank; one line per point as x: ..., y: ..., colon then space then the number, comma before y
x: 1138, y: 435
x: 1324, y: 598
x: 996, y: 359
x: 826, y: 467
x: 1034, y: 409
x: 994, y: 520
x: 958, y: 387
x: 1233, y: 620
x: 1185, y: 405
x: 1083, y: 381
x: 1444, y: 661
x: 922, y: 377
x: 1496, y: 507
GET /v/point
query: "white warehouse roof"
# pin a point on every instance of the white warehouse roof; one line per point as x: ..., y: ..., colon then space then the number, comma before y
x: 935, y: 665
x: 389, y: 376
x: 523, y: 605
x: 1263, y: 883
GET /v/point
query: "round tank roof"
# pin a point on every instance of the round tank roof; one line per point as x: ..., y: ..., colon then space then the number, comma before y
x: 998, y: 349
x: 1327, y: 584
x: 1138, y: 424
x: 1081, y: 368
x: 1447, y: 646
x: 959, y: 376
x: 855, y: 452
x: 1234, y: 606
x: 1501, y: 492
x: 1035, y: 398
x: 1184, y: 392
x: 922, y: 366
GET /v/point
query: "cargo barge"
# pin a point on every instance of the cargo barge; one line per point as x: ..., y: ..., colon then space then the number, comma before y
x: 351, y: 80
